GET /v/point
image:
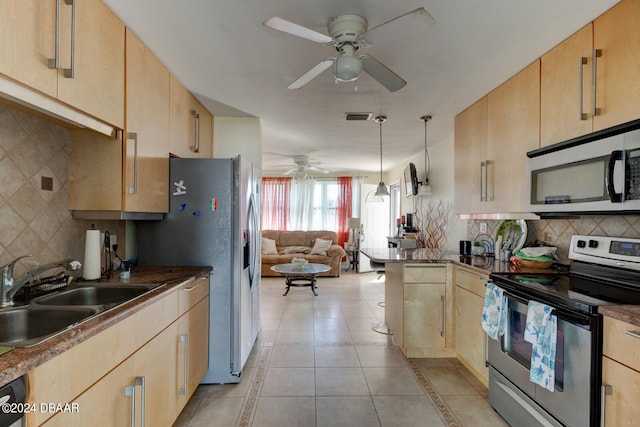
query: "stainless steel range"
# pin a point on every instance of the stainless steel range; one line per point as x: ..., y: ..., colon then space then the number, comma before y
x: 603, y: 271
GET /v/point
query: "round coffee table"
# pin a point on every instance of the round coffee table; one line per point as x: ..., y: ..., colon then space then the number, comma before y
x: 304, y: 275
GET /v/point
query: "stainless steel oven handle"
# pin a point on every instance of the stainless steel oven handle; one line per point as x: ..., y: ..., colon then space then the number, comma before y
x: 574, y: 318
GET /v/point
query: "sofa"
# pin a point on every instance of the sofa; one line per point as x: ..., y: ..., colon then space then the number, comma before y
x: 299, y: 244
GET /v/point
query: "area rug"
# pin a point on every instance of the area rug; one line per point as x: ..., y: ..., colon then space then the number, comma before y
x: 251, y: 399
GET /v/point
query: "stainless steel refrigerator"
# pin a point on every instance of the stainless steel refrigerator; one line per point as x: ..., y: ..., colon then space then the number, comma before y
x: 213, y: 219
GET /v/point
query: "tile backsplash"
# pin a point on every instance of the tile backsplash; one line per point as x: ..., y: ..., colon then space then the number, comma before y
x: 34, y: 155
x: 558, y: 232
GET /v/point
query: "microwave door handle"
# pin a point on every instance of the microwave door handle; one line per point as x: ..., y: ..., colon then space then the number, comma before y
x: 611, y: 190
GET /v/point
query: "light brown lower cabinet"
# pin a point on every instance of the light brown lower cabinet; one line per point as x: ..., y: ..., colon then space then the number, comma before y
x: 471, y: 340
x: 145, y: 366
x: 621, y: 373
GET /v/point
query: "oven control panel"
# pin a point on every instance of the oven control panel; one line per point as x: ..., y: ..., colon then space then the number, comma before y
x: 614, y: 251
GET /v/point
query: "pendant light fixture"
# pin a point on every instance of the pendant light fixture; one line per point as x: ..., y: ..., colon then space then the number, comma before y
x: 382, y: 189
x: 425, y: 188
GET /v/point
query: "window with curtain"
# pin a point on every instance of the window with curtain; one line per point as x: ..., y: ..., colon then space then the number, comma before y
x: 311, y: 204
x: 275, y: 203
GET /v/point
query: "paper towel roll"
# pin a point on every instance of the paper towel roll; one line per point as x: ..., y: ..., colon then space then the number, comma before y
x: 91, y: 263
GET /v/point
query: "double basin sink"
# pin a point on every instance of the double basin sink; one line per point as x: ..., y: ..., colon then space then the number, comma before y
x: 48, y: 315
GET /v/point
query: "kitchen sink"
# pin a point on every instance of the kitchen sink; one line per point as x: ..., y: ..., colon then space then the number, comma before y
x: 92, y: 295
x: 26, y: 326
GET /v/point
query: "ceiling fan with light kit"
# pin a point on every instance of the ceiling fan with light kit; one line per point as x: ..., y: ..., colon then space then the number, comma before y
x: 303, y: 166
x: 349, y: 33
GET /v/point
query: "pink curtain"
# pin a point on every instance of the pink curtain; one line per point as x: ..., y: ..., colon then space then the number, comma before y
x: 275, y: 203
x: 344, y: 208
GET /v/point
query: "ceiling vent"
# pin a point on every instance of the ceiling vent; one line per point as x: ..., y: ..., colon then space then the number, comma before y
x: 358, y: 116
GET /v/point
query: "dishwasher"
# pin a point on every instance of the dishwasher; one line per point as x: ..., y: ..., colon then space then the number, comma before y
x: 12, y: 398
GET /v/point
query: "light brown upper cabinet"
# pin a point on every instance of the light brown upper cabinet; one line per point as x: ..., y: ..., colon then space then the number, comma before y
x: 92, y: 78
x: 492, y: 138
x: 469, y: 148
x: 609, y: 49
x: 190, y: 125
x: 146, y: 174
x: 513, y: 129
x: 97, y: 179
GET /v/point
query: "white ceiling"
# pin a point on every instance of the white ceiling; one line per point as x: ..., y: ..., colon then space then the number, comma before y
x: 237, y: 67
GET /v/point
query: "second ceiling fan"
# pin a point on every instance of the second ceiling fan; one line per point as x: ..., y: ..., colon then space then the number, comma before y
x: 349, y: 33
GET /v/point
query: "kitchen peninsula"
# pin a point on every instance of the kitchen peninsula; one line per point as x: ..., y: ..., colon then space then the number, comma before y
x: 419, y: 296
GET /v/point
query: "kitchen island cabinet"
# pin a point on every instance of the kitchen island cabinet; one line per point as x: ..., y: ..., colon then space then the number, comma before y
x: 190, y: 124
x: 471, y: 340
x: 96, y: 86
x: 418, y: 308
x: 101, y: 373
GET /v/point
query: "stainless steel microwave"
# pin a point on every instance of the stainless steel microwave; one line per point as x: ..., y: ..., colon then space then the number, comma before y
x: 598, y: 174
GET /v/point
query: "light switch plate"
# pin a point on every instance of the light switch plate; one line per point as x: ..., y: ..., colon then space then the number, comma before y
x: 483, y: 227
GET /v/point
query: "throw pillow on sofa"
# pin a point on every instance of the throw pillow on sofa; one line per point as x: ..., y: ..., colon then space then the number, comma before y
x: 295, y: 250
x: 269, y: 247
x: 321, y: 246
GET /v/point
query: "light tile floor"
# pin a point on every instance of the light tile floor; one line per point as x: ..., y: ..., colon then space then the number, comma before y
x: 318, y: 363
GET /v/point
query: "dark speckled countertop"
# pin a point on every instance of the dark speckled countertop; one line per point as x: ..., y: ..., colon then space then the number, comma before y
x: 21, y: 360
x: 486, y: 265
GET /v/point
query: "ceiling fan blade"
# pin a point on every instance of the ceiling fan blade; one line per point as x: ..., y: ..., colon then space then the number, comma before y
x: 382, y: 74
x: 318, y: 169
x: 402, y: 26
x: 285, y: 26
x: 290, y: 171
x: 311, y: 74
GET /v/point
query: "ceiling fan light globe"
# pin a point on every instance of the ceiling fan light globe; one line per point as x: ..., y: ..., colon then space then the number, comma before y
x: 382, y: 190
x: 347, y: 68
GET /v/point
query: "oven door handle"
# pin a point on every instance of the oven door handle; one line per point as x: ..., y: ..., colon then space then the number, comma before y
x: 567, y: 316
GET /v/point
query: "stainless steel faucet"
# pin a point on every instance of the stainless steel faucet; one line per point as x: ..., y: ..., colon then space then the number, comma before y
x: 10, y: 285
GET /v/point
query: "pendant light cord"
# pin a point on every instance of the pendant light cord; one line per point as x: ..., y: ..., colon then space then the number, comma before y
x: 380, y: 122
x: 427, y: 160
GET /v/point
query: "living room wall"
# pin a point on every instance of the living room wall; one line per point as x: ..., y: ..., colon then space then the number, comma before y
x: 442, y: 185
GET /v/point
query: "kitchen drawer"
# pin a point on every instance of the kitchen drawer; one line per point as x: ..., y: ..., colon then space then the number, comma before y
x: 191, y: 293
x: 621, y: 342
x: 471, y: 281
x: 425, y: 273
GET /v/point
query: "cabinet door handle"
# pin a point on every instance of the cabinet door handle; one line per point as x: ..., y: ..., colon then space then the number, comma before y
x: 583, y: 62
x: 484, y: 342
x: 54, y: 63
x: 134, y: 137
x: 130, y: 391
x: 140, y: 382
x: 70, y: 73
x: 196, y: 131
x: 195, y: 286
x: 489, y: 184
x: 442, y: 324
x: 597, y: 53
x: 184, y: 339
x: 633, y: 334
x: 483, y: 181
x: 605, y: 390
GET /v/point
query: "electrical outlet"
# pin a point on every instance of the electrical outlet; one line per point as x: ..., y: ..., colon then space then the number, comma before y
x: 483, y: 227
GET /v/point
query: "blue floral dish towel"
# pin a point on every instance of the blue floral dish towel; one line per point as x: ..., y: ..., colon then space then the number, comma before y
x: 541, y: 331
x: 494, y: 312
